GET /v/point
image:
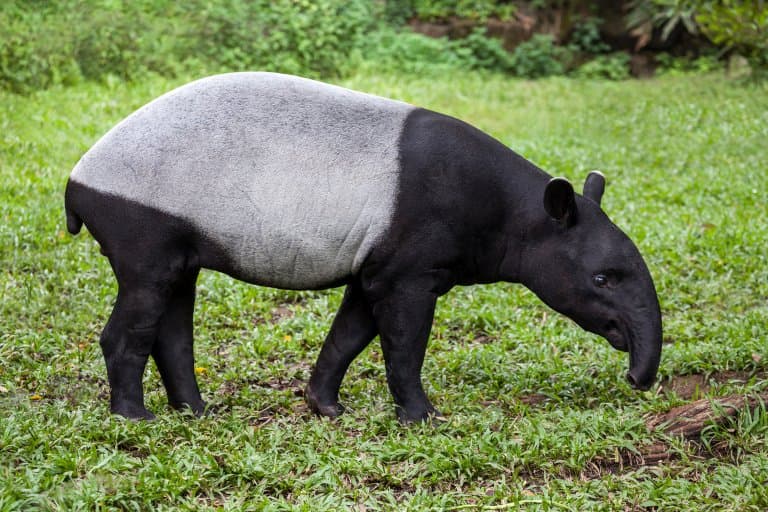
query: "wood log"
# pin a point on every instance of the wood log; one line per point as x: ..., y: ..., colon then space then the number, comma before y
x: 690, y: 419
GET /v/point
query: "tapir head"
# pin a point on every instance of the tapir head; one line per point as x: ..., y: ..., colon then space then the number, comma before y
x: 583, y: 266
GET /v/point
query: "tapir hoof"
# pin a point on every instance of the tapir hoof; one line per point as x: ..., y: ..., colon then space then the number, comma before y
x: 135, y: 413
x: 323, y: 408
x: 427, y: 414
x: 199, y: 409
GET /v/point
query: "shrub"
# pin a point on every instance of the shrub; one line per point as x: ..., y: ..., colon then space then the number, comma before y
x: 671, y: 65
x: 45, y: 42
x: 32, y: 56
x: 293, y: 36
x: 614, y: 66
x: 738, y: 24
x: 585, y: 37
x: 392, y: 50
x: 442, y: 9
x: 538, y: 57
x: 478, y: 51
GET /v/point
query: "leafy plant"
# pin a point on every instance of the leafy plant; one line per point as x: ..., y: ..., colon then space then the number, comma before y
x: 672, y: 65
x: 538, y: 57
x: 741, y: 25
x: 481, y: 52
x: 442, y: 9
x: 585, y: 37
x: 614, y: 66
x: 644, y: 16
x: 388, y: 49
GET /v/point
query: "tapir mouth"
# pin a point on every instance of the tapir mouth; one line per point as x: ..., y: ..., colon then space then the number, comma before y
x: 616, y: 336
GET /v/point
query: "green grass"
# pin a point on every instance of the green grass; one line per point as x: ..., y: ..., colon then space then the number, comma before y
x: 532, y: 401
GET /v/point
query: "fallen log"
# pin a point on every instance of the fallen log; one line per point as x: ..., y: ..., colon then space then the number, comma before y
x: 690, y: 419
x: 687, y: 421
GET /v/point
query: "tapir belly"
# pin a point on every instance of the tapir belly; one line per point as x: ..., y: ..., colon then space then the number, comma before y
x: 295, y: 180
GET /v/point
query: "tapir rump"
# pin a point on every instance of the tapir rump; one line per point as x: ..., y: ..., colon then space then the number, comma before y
x: 286, y: 182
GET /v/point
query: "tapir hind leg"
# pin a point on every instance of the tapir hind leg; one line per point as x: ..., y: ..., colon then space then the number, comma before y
x: 352, y: 330
x: 173, y: 349
x: 126, y: 343
x: 145, y: 289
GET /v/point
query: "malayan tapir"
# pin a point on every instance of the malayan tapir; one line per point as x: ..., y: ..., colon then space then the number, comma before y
x: 291, y: 183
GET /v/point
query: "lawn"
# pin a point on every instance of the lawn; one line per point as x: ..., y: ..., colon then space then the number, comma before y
x: 539, y: 415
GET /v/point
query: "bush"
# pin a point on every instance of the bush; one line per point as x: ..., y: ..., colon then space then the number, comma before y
x: 585, y: 37
x: 32, y: 56
x: 392, y: 50
x: 614, y: 66
x: 477, y: 51
x: 46, y: 42
x: 741, y: 25
x: 671, y: 65
x: 400, y: 10
x: 538, y: 57
x: 294, y: 36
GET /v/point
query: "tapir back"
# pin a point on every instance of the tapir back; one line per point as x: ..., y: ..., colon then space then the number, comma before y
x: 295, y: 179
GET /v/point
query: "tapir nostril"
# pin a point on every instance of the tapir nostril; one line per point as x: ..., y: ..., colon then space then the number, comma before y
x: 636, y: 384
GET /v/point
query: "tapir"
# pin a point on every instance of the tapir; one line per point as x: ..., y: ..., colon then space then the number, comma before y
x: 291, y: 183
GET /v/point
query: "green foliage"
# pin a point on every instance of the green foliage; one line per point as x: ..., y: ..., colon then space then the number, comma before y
x: 614, y: 66
x: 533, y: 403
x: 31, y: 55
x: 643, y: 16
x: 294, y: 36
x: 48, y: 42
x: 672, y: 65
x: 741, y: 25
x: 388, y: 49
x: 538, y: 57
x: 442, y: 9
x: 585, y: 37
x: 478, y: 51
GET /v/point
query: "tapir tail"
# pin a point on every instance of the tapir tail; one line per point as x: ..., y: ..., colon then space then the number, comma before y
x: 74, y: 222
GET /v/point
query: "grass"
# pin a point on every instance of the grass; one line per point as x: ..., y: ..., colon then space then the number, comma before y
x: 534, y: 404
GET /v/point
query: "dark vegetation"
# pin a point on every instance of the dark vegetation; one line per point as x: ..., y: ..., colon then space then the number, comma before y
x: 48, y: 42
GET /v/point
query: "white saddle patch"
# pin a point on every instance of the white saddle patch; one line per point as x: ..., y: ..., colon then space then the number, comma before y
x: 295, y: 178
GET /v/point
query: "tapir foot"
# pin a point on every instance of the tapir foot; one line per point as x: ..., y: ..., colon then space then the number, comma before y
x: 132, y: 412
x: 328, y: 408
x: 198, y: 408
x: 408, y: 415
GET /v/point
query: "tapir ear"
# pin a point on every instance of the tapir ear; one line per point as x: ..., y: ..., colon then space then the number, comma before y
x: 594, y: 186
x: 560, y: 201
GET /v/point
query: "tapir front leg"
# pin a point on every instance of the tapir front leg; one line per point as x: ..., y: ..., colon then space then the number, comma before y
x: 404, y: 318
x: 352, y: 331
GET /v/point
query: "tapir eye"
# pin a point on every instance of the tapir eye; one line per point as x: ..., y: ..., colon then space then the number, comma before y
x: 600, y: 280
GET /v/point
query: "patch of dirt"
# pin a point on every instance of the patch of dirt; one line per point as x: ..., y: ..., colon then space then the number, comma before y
x: 281, y: 312
x: 134, y: 451
x: 697, y: 385
x: 686, y: 386
x: 482, y: 339
x: 533, y: 399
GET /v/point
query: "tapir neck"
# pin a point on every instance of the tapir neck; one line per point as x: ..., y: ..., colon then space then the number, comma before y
x: 521, y: 218
x: 476, y: 197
